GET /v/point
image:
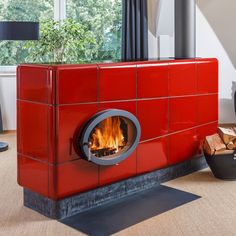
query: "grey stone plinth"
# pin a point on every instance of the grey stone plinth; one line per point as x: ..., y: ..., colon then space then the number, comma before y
x: 84, y: 201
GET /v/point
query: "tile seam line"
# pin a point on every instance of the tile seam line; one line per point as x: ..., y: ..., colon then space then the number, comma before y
x: 116, y: 101
x: 141, y: 142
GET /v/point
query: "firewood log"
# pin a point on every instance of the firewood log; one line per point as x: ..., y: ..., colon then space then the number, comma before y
x: 213, y: 143
x: 227, y: 134
x: 230, y: 146
x: 224, y: 152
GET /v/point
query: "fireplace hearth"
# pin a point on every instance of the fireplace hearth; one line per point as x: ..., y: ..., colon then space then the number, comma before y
x: 109, y: 137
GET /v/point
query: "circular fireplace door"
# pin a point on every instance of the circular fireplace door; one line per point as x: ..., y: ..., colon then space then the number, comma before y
x: 109, y: 137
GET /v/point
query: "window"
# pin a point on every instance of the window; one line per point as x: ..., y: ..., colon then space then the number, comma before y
x: 103, y: 18
x: 12, y: 52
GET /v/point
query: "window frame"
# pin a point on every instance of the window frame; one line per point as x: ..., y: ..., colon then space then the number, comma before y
x: 60, y: 9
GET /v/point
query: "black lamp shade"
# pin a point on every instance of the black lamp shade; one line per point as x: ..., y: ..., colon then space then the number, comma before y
x: 19, y: 30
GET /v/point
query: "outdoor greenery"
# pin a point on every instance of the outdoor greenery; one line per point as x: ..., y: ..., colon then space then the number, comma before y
x: 66, y: 41
x: 92, y: 32
x: 104, y: 19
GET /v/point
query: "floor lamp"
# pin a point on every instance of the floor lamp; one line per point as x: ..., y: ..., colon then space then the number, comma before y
x: 16, y: 30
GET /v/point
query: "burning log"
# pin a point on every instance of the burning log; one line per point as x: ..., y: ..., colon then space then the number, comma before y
x: 104, y: 152
x: 108, y: 137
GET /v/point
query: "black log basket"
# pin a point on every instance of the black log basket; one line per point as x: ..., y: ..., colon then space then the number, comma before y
x: 223, y: 166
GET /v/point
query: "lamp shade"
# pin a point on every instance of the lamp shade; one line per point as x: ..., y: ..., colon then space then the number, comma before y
x: 19, y: 30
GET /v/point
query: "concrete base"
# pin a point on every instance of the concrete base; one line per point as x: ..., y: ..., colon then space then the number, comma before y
x: 97, y: 197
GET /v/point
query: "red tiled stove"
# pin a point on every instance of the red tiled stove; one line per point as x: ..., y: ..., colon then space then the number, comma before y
x: 81, y: 127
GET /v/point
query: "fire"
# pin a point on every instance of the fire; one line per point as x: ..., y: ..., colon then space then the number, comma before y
x: 108, y: 136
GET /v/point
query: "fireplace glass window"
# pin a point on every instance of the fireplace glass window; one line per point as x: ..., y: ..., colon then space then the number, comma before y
x: 110, y: 137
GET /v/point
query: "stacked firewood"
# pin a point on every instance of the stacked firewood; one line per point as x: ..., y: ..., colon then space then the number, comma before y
x: 223, y: 142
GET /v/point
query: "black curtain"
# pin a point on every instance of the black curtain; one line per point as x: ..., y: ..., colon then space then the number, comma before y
x: 134, y: 30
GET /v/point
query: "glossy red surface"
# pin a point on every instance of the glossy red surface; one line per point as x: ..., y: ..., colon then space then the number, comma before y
x: 35, y: 83
x: 123, y: 170
x: 166, y: 97
x: 207, y: 108
x: 77, y: 84
x: 70, y: 121
x: 35, y: 130
x: 127, y: 106
x: 183, y: 146
x: 117, y: 82
x: 74, y: 176
x: 153, y: 118
x: 183, y: 79
x: 33, y: 174
x: 152, y: 77
x: 207, y: 76
x: 152, y: 155
x: 183, y: 113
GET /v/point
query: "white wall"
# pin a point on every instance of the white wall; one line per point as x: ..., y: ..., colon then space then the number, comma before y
x: 8, y: 101
x: 221, y: 16
x: 209, y: 44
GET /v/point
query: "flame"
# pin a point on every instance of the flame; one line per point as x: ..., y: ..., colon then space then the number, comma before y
x: 108, y: 135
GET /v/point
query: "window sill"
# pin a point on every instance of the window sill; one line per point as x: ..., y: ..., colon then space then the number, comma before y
x: 7, y: 71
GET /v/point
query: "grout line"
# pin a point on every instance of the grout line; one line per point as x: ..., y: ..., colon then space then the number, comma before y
x: 79, y: 158
x: 46, y: 162
x: 116, y: 101
x: 136, y: 107
x: 180, y: 131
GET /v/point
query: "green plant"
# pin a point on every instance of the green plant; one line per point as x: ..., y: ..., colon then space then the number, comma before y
x: 65, y: 41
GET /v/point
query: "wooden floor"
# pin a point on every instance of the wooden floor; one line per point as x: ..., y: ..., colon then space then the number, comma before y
x: 214, y: 214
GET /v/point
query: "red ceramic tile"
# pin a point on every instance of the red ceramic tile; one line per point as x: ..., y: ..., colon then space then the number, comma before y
x: 183, y: 146
x: 204, y: 131
x: 117, y: 82
x: 123, y: 170
x: 207, y: 76
x: 79, y: 84
x: 70, y: 121
x: 126, y: 106
x: 207, y: 108
x: 153, y: 80
x: 33, y: 175
x: 34, y: 83
x: 182, y: 78
x: 35, y: 130
x: 152, y: 155
x: 183, y: 113
x: 153, y: 118
x: 73, y: 177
